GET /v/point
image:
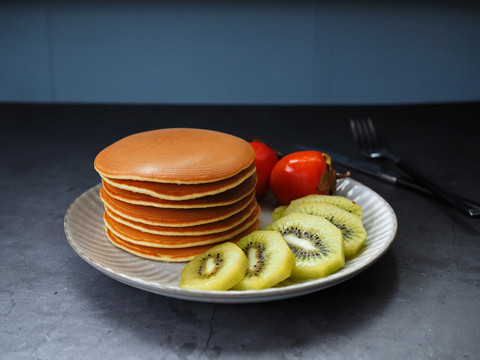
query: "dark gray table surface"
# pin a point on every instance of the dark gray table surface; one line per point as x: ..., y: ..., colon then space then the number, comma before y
x: 419, y: 301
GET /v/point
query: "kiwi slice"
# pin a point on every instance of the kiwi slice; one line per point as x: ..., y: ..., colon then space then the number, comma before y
x: 316, y: 243
x: 270, y: 260
x: 219, y: 268
x: 339, y: 201
x: 279, y: 212
x: 354, y: 234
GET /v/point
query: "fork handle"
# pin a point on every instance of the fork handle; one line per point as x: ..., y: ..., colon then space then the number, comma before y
x: 412, y: 184
x: 438, y: 191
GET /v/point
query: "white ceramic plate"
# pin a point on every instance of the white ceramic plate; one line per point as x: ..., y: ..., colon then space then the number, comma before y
x: 84, y: 229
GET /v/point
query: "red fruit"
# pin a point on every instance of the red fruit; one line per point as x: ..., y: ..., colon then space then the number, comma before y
x: 265, y: 160
x: 302, y: 173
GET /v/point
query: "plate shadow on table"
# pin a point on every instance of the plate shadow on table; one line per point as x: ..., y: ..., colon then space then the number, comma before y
x: 187, y: 328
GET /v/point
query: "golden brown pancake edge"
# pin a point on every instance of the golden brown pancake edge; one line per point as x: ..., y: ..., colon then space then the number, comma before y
x: 138, y: 237
x: 169, y: 255
x: 202, y: 229
x: 174, y: 217
x: 180, y: 192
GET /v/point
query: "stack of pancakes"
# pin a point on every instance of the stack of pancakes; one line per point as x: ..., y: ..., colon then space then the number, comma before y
x: 171, y: 194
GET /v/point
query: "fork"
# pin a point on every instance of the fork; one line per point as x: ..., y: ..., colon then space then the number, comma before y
x: 370, y: 145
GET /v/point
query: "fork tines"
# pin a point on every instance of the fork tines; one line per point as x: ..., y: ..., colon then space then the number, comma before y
x: 365, y: 136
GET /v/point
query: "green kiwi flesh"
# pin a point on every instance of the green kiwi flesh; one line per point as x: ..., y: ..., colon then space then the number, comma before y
x: 339, y: 201
x: 354, y: 234
x: 316, y: 243
x: 278, y: 212
x: 270, y: 260
x: 219, y: 268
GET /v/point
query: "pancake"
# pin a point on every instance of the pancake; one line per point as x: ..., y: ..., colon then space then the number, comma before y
x: 165, y: 241
x: 209, y: 228
x: 177, y: 156
x: 140, y: 194
x: 169, y: 255
x: 174, y: 217
x: 178, y: 192
x: 172, y: 194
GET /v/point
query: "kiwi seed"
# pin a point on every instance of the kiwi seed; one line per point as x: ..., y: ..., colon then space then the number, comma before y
x: 269, y: 257
x: 219, y: 268
x: 255, y: 250
x: 317, y: 245
x: 349, y: 224
x: 209, y: 266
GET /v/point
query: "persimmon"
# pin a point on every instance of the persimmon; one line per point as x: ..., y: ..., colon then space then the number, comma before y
x: 265, y: 159
x: 302, y: 173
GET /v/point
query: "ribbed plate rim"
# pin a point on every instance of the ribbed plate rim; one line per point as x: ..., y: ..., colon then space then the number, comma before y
x: 379, y: 218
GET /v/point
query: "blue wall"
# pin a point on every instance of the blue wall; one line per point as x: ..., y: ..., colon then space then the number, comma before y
x: 265, y: 52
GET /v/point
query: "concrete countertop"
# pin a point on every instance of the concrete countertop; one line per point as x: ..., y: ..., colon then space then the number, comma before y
x: 419, y: 301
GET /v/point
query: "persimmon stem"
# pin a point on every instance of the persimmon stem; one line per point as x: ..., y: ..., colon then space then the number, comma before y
x: 343, y: 176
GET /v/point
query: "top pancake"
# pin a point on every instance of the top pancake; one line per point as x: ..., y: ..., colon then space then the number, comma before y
x: 176, y: 155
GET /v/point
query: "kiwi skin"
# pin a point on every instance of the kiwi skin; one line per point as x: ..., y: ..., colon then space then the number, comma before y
x: 317, y: 244
x: 270, y: 260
